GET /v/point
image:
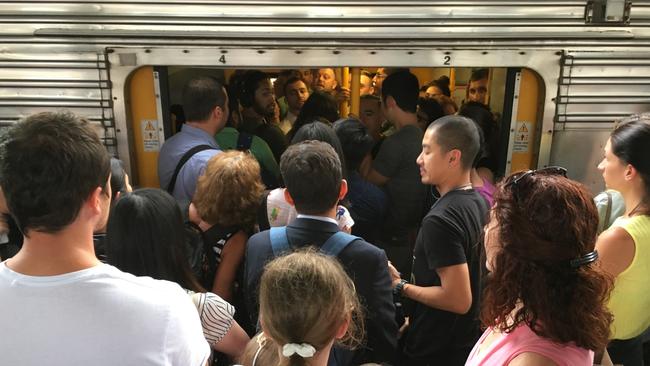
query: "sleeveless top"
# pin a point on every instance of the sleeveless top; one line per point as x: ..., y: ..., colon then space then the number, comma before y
x: 632, y: 317
x: 487, y: 191
x: 510, y: 345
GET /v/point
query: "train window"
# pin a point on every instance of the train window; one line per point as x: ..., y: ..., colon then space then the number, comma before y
x: 514, y: 96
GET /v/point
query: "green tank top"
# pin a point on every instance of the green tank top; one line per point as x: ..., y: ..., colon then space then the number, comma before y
x: 630, y: 299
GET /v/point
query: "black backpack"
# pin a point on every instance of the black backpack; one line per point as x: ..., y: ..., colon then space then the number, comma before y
x: 203, y: 248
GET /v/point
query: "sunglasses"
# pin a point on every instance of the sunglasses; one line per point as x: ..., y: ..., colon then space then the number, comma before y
x: 632, y: 118
x: 516, y: 179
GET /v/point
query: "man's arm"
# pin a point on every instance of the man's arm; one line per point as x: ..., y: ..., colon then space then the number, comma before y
x: 385, y: 165
x: 454, y: 293
x: 443, y: 253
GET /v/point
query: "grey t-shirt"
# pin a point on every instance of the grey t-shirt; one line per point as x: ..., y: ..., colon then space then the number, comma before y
x: 396, y: 161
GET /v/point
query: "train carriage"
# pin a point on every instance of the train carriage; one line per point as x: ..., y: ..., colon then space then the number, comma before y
x: 569, y: 69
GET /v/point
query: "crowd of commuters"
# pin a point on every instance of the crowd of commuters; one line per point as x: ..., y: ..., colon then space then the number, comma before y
x: 287, y: 234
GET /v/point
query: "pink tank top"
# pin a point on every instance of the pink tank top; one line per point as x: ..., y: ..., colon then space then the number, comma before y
x: 505, y: 348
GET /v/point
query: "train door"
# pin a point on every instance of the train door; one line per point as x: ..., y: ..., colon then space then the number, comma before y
x: 521, y: 125
x: 153, y: 114
x: 146, y: 99
x: 144, y: 94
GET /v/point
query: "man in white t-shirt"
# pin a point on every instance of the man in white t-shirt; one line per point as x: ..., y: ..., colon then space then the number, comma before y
x: 58, y: 304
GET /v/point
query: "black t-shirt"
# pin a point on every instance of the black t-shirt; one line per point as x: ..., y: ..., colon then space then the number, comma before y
x: 451, y: 234
x: 270, y: 133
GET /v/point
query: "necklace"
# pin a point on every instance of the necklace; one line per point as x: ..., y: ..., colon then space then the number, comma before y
x: 462, y: 187
x: 436, y: 195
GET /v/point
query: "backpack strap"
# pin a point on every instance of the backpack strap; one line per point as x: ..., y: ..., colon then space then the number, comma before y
x: 279, y: 240
x: 337, y: 242
x: 244, y: 141
x: 262, y: 215
x: 608, y: 210
x: 191, y: 152
x: 332, y: 247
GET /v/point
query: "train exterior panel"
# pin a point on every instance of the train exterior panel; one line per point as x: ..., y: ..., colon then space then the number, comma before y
x: 592, y: 56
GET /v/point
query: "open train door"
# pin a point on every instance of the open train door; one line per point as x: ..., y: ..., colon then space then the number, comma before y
x: 521, y: 124
x: 142, y: 118
x: 147, y: 98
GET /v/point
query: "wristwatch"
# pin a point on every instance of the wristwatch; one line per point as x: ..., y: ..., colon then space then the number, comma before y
x: 397, y: 291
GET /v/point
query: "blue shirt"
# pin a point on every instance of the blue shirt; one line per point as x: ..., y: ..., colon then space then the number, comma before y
x: 171, y: 153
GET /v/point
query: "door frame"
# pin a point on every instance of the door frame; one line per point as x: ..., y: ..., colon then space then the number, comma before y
x: 123, y: 61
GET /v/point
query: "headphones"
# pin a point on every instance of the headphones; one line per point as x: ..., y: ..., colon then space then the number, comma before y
x: 248, y: 86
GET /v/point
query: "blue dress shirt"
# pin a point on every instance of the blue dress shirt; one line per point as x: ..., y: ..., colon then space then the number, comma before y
x: 171, y: 153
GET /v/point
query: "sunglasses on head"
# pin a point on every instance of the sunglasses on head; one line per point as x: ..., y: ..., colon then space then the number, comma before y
x: 550, y: 170
x: 575, y: 263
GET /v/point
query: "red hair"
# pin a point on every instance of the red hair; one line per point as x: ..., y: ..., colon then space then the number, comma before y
x: 543, y: 222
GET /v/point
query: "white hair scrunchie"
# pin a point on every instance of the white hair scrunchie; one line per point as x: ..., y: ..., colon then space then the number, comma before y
x: 304, y: 350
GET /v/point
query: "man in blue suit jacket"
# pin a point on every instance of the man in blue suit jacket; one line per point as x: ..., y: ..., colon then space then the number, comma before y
x: 312, y: 173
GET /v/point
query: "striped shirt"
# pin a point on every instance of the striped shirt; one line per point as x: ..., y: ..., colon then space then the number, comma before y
x: 216, y: 315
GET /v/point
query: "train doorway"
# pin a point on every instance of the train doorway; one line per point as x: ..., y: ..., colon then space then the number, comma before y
x: 516, y: 95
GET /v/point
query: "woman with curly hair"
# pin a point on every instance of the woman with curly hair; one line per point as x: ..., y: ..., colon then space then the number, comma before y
x: 544, y: 302
x: 224, y: 207
x: 625, y: 246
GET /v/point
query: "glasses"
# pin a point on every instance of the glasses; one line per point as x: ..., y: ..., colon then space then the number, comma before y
x: 516, y: 179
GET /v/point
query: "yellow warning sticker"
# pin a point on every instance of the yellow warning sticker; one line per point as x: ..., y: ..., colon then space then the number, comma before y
x: 522, y: 137
x: 150, y: 139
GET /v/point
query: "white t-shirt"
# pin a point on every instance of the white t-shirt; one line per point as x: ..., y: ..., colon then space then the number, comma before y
x: 287, y: 123
x: 97, y: 316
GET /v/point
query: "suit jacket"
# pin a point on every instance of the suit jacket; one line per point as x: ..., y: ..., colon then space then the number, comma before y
x: 363, y: 262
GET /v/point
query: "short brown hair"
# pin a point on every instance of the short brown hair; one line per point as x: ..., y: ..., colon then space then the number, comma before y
x: 201, y: 96
x: 543, y: 222
x: 229, y: 191
x: 313, y: 174
x: 50, y: 163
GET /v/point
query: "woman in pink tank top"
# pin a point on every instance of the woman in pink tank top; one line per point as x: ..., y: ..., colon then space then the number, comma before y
x: 544, y: 301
